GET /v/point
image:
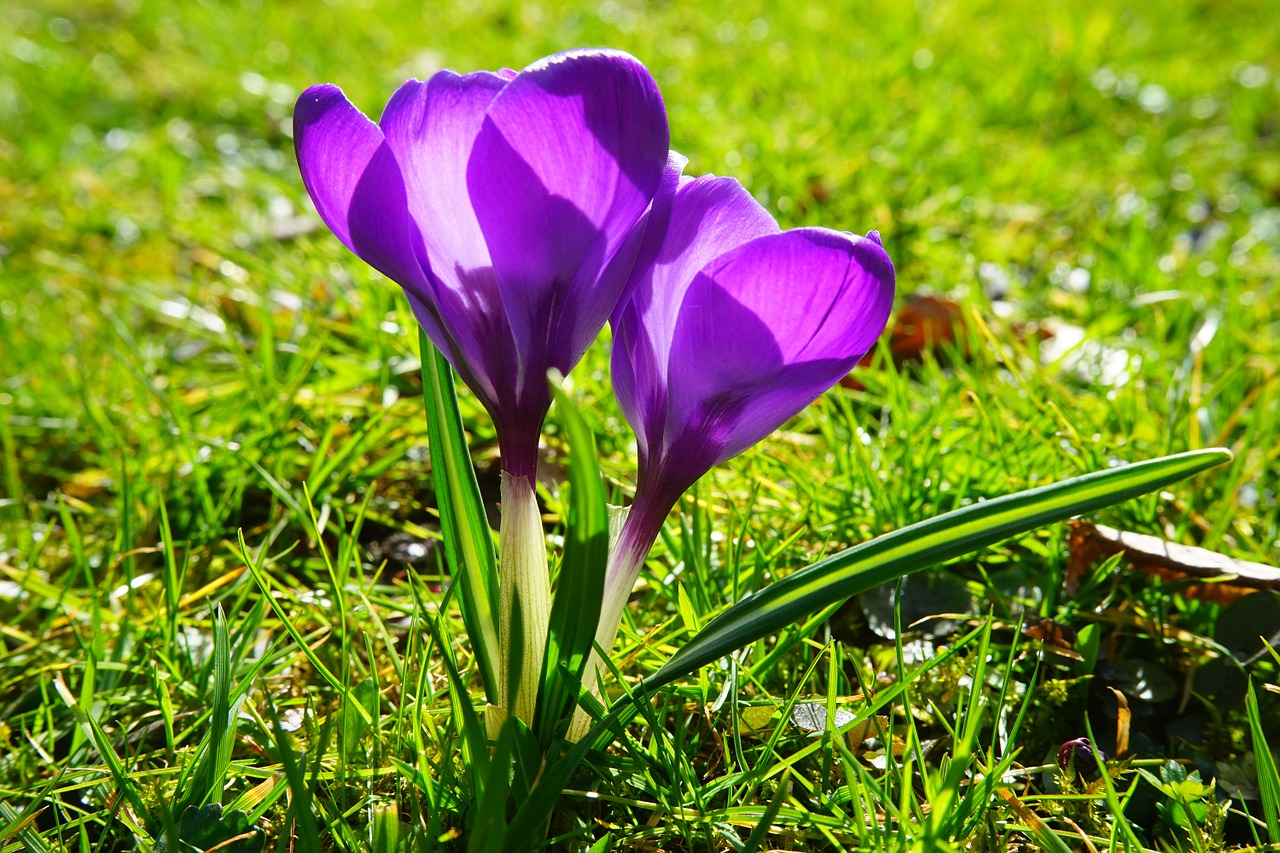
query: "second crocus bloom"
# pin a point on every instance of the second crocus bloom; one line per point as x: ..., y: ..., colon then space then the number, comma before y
x: 732, y: 328
x: 509, y: 206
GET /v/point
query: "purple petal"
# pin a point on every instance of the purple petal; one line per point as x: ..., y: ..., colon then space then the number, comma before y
x: 354, y: 181
x: 570, y: 154
x: 822, y: 293
x: 431, y: 127
x: 768, y: 327
x: 708, y: 217
x: 650, y: 232
x: 761, y: 331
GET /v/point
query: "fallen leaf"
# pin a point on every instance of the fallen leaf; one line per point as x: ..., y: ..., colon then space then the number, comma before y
x: 812, y: 717
x: 924, y: 323
x: 1053, y: 636
x: 757, y: 720
x: 1224, y: 578
x: 936, y: 325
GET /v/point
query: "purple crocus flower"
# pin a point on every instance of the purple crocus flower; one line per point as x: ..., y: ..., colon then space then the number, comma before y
x: 732, y: 328
x: 510, y: 207
x: 504, y: 204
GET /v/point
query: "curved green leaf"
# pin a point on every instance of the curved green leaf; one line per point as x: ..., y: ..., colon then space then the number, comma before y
x: 1268, y: 775
x: 468, y: 544
x: 920, y: 545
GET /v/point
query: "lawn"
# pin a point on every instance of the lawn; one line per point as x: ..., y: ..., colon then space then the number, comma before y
x: 220, y: 572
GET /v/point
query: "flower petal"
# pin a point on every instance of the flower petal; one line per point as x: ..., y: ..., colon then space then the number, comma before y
x: 764, y: 330
x: 571, y: 153
x: 354, y: 181
x: 822, y: 293
x: 708, y: 217
x: 431, y: 127
x: 650, y: 231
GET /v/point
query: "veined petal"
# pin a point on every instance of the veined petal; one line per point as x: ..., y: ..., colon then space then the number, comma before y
x: 765, y: 329
x: 708, y: 217
x: 431, y: 127
x: 822, y: 293
x: 355, y: 182
x: 570, y: 154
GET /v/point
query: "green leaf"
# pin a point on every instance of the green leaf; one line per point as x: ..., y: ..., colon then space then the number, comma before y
x: 386, y: 828
x: 354, y: 724
x: 688, y: 613
x: 110, y: 757
x: 475, y: 756
x: 488, y: 827
x: 468, y: 544
x: 604, y: 845
x: 575, y: 610
x: 761, y: 831
x: 207, y: 828
x: 918, y: 546
x: 265, y: 584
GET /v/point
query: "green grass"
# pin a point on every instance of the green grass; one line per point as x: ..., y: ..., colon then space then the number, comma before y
x: 186, y: 358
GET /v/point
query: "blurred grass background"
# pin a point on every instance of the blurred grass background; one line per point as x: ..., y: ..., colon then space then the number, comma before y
x: 1096, y: 188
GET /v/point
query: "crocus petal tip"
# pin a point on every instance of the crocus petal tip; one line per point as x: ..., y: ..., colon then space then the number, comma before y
x: 578, y: 54
x: 320, y: 93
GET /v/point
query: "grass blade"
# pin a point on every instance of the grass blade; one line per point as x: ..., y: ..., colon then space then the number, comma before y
x: 123, y: 778
x: 475, y: 755
x: 575, y: 611
x: 1043, y: 834
x: 386, y: 829
x: 468, y: 544
x: 206, y: 783
x: 761, y: 831
x: 488, y: 829
x: 918, y: 546
x: 305, y: 830
x: 1268, y: 776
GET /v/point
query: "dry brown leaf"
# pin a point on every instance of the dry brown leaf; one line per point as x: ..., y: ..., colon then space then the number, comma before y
x: 924, y: 323
x: 1225, y: 578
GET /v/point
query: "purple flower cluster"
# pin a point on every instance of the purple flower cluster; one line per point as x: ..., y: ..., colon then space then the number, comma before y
x: 521, y: 211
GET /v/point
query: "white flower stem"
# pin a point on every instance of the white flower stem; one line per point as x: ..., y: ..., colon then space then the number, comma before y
x: 628, y: 549
x: 615, y: 601
x: 524, y: 602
